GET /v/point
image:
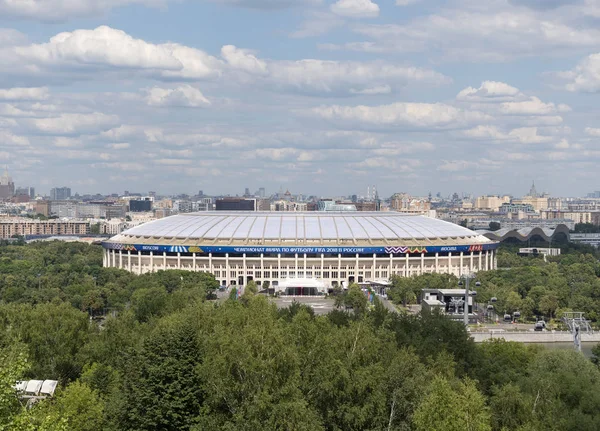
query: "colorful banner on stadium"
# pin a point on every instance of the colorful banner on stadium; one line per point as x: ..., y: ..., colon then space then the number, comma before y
x: 396, y: 250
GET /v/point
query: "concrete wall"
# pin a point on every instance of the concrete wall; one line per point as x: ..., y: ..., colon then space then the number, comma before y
x: 534, y: 337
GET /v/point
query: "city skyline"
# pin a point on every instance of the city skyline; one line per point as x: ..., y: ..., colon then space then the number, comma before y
x: 317, y: 96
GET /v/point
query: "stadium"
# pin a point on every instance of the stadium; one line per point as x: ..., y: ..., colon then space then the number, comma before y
x: 292, y: 251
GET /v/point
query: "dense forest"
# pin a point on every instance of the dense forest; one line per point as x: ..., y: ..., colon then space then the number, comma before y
x: 152, y: 353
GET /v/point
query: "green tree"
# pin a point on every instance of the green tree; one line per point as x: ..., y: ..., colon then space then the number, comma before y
x: 494, y: 226
x: 402, y: 290
x: 448, y: 408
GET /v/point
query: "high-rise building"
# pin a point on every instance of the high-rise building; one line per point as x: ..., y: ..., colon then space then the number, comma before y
x: 60, y: 193
x: 25, y: 191
x: 7, y: 187
x: 261, y: 192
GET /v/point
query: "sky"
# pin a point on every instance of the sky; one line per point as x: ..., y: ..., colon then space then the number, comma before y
x: 322, y: 97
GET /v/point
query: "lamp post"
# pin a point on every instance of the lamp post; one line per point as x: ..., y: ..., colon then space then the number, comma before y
x: 467, y: 296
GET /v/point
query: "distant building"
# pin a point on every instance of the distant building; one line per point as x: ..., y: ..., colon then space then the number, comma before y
x: 236, y: 204
x: 27, y: 227
x: 60, y: 193
x: 513, y: 208
x: 7, y: 186
x: 25, y: 191
x: 490, y: 203
x: 140, y: 205
x: 331, y: 205
x: 366, y: 206
x: 576, y: 216
x: 43, y: 208
x: 403, y: 202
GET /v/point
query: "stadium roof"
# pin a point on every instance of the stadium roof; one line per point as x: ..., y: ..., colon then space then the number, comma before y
x: 341, y: 228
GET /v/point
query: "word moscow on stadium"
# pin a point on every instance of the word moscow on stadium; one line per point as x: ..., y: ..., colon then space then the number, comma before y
x: 272, y: 247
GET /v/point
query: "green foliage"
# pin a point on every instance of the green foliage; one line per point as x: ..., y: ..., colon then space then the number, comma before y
x: 166, y: 359
x: 586, y: 228
x: 452, y: 407
x: 494, y: 226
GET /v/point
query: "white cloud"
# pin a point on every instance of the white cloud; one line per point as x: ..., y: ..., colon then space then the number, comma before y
x: 585, y: 77
x: 75, y: 124
x: 411, y: 115
x: 529, y: 135
x: 379, y: 89
x: 317, y: 23
x: 591, y: 131
x: 321, y: 76
x: 493, y: 34
x: 11, y: 37
x: 61, y: 10
x: 533, y: 106
x: 8, y: 138
x: 521, y: 135
x: 406, y: 2
x: 105, y: 48
x: 355, y: 8
x: 489, y: 91
x: 183, y: 96
x: 244, y: 60
x: 24, y: 94
x: 269, y: 4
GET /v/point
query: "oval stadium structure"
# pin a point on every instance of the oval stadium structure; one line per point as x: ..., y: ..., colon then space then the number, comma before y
x: 276, y: 247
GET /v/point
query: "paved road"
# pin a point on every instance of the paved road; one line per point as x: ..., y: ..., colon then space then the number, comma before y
x: 319, y: 305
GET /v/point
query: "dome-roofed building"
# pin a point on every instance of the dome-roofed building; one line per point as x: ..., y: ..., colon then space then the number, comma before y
x: 272, y: 247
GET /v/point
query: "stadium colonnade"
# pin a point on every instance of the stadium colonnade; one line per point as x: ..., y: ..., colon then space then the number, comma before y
x: 279, y: 247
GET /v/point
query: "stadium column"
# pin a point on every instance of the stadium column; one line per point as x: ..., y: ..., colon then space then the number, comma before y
x: 210, y: 264
x: 227, y: 273
x: 120, y: 259
x: 194, y: 261
x: 305, y: 266
x: 391, y: 264
x: 178, y: 260
x: 422, y: 263
x: 322, y: 265
x: 244, y: 272
x: 374, y: 266
x: 449, y: 263
x: 460, y: 271
x: 129, y: 260
x: 164, y: 260
x: 407, y: 265
x: 471, y: 263
x: 104, y: 257
x: 151, y: 261
x: 339, y: 268
x: 278, y: 265
x: 479, y: 268
x: 487, y: 263
x: 437, y: 262
x: 114, y: 254
x: 356, y: 268
x: 139, y: 262
x: 295, y: 265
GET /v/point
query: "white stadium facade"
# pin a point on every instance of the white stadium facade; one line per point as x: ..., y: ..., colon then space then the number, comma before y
x: 319, y: 249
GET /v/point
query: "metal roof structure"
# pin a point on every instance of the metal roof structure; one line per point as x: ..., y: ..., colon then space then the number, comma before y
x: 340, y: 228
x: 526, y: 233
